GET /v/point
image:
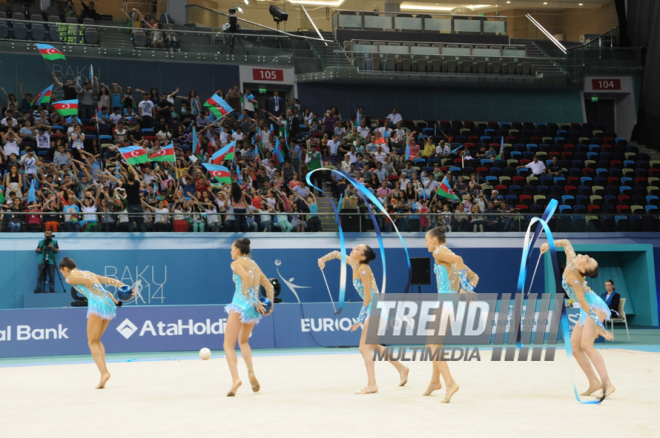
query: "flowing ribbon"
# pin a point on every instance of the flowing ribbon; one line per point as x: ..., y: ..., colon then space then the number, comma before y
x: 363, y: 193
x: 528, y: 245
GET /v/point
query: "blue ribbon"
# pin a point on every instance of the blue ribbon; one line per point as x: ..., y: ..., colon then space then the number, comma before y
x: 528, y: 245
x: 364, y: 193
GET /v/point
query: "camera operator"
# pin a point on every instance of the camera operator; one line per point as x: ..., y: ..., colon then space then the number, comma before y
x: 47, y: 249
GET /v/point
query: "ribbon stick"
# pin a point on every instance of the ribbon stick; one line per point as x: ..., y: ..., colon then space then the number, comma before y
x: 528, y: 245
x: 364, y: 193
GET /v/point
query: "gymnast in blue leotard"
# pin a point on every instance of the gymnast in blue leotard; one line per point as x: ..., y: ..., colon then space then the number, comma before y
x: 452, y: 276
x: 101, y: 308
x: 365, y: 284
x: 244, y: 311
x: 593, y: 311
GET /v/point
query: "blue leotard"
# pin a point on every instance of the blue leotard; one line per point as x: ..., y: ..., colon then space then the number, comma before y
x: 99, y: 302
x: 242, y: 304
x: 594, y: 301
x: 364, y: 311
x: 442, y: 278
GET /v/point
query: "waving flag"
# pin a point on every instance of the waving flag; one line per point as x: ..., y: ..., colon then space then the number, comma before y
x: 221, y: 173
x: 445, y: 191
x: 218, y: 106
x: 165, y: 154
x: 499, y: 156
x: 43, y: 97
x: 407, y: 156
x: 455, y: 150
x: 32, y: 193
x: 134, y: 155
x: 49, y: 52
x: 277, y: 153
x: 195, y: 144
x: 91, y: 74
x: 67, y: 107
x: 256, y: 146
x: 224, y: 154
x: 359, y: 119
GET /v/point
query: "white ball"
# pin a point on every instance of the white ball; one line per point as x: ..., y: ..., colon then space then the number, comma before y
x: 205, y: 353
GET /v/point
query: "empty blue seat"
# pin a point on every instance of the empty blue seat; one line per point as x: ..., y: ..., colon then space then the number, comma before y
x: 587, y: 181
x: 568, y: 200
x: 565, y: 209
x: 652, y: 200
x: 579, y: 209
x: 625, y: 190
x: 651, y: 209
x: 627, y: 181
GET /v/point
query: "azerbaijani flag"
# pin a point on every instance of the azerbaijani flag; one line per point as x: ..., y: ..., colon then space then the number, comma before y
x: 67, y: 107
x: 407, y: 153
x: 221, y: 173
x: 134, y: 155
x: 277, y: 153
x: 43, y: 97
x: 499, y: 156
x: 358, y: 118
x: 218, y: 106
x: 445, y: 191
x: 91, y: 74
x: 165, y: 154
x: 224, y: 154
x: 49, y: 52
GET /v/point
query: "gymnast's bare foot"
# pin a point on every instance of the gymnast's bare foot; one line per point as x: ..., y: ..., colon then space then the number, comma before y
x: 104, y: 379
x: 593, y: 387
x: 451, y: 390
x: 234, y: 388
x: 404, y: 376
x: 609, y: 389
x: 255, y: 383
x: 433, y: 386
x: 368, y: 390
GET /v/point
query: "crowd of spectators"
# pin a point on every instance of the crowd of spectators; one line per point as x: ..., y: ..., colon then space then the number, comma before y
x: 82, y: 183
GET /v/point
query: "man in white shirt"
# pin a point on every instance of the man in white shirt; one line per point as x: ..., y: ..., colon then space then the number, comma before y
x: 116, y: 116
x: 147, y: 111
x: 352, y: 155
x: 238, y: 135
x: 9, y: 114
x: 394, y: 117
x: 400, y: 131
x: 442, y: 150
x: 333, y: 144
x: 380, y: 155
x: 536, y: 167
x: 363, y: 130
x: 385, y: 131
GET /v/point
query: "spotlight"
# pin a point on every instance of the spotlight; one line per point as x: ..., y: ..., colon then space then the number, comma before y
x: 278, y: 14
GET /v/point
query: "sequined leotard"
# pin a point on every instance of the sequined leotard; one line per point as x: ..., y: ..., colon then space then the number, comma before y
x: 357, y: 283
x: 594, y: 301
x: 99, y: 302
x: 454, y: 281
x: 247, y: 295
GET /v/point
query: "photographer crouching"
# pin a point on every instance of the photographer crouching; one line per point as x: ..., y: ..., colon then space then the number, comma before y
x: 47, y: 249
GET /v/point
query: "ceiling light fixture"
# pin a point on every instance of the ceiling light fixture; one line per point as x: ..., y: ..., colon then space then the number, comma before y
x: 317, y: 2
x: 427, y: 7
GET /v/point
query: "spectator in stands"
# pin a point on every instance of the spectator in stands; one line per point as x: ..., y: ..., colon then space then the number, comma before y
x: 554, y: 168
x: 276, y: 105
x: 536, y: 167
x: 394, y: 117
x: 147, y: 111
x: 70, y: 91
x: 89, y: 12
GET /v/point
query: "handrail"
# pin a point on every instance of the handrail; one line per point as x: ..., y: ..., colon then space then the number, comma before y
x: 517, y: 46
x: 547, y: 34
x: 259, y: 25
x: 123, y: 29
x: 313, y: 24
x: 595, y: 39
x: 432, y: 55
x: 498, y: 18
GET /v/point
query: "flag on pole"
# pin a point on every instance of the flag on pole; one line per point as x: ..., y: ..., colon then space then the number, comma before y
x: 224, y: 154
x: 220, y: 173
x: 196, y: 150
x: 43, y: 97
x: 32, y: 193
x: 67, y: 107
x: 50, y: 53
x: 359, y: 119
x: 499, y: 156
x: 91, y: 74
x: 446, y: 191
x: 134, y: 155
x: 456, y: 150
x: 277, y: 153
x: 165, y: 154
x: 407, y: 156
x: 218, y: 106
